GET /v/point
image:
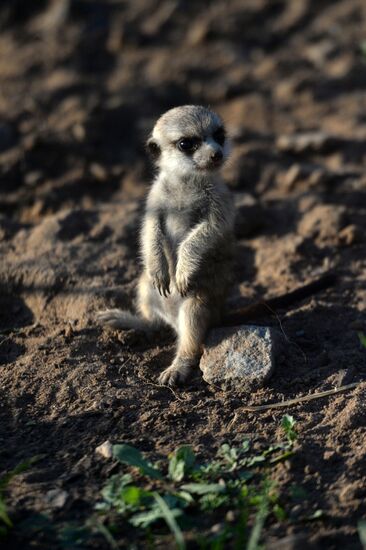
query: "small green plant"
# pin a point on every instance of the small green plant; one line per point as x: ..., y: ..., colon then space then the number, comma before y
x: 362, y: 338
x: 288, y: 426
x: 187, y: 494
x: 5, y: 522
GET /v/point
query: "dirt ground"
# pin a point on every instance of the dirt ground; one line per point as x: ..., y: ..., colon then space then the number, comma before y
x: 81, y: 86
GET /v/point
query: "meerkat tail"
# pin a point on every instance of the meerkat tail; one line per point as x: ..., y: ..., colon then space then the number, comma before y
x: 118, y: 318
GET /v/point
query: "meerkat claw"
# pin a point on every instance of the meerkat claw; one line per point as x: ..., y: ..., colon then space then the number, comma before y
x: 162, y: 285
x: 178, y: 373
x: 172, y: 376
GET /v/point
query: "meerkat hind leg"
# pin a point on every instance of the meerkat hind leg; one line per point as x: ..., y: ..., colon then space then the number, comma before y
x: 193, y: 319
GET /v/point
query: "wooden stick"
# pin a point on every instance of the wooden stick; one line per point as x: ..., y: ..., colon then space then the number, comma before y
x: 290, y: 402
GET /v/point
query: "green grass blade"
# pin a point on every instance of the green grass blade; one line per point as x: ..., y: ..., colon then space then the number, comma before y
x: 3, y: 513
x: 107, y: 535
x: 203, y: 488
x: 171, y: 522
x: 362, y: 339
x: 260, y: 518
x: 19, y: 469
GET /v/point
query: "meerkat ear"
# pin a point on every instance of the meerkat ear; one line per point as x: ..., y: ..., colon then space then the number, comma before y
x: 153, y: 148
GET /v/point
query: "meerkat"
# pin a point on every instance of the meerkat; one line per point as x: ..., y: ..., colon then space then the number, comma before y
x: 187, y: 236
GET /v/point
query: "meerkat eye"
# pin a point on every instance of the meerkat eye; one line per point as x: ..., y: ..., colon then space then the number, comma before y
x: 188, y: 145
x: 219, y: 136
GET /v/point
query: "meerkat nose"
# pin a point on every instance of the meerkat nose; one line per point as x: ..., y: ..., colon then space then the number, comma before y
x: 217, y: 156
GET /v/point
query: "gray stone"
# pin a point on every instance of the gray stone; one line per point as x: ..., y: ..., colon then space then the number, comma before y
x: 240, y: 358
x: 56, y: 498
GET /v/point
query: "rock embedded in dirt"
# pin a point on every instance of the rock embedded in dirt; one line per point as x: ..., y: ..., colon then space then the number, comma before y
x: 105, y: 449
x: 239, y: 358
x: 56, y: 498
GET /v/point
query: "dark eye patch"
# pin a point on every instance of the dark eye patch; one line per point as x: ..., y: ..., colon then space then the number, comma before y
x: 188, y: 145
x: 219, y: 135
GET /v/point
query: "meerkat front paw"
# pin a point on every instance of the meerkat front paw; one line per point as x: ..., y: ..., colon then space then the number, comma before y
x: 161, y: 281
x: 177, y: 373
x: 182, y: 283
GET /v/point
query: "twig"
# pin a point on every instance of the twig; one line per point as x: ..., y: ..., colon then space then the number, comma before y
x: 290, y: 402
x: 291, y: 342
x: 124, y: 364
x: 161, y: 386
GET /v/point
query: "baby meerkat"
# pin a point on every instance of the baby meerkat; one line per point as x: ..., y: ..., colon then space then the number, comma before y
x: 187, y: 236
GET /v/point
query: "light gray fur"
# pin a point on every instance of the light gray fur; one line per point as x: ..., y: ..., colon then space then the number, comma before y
x: 186, y: 238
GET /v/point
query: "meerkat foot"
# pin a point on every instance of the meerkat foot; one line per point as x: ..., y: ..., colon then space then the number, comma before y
x: 178, y: 373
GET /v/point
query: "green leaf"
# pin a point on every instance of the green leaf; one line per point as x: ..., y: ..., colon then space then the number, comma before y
x: 282, y: 456
x: 133, y: 495
x: 318, y: 514
x: 298, y: 493
x: 145, y: 519
x: 256, y: 460
x: 124, y: 497
x: 171, y: 522
x: 288, y: 425
x: 212, y: 501
x: 3, y: 514
x: 279, y: 512
x: 362, y: 338
x: 361, y: 528
x: 186, y: 497
x: 229, y: 454
x: 111, y: 492
x: 131, y: 456
x: 148, y: 517
x: 203, y: 488
x: 181, y: 463
x: 244, y: 475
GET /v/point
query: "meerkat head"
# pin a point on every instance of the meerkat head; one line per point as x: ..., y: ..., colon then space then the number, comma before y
x: 189, y: 139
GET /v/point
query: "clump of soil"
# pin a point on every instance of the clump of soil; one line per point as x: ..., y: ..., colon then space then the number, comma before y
x: 81, y: 85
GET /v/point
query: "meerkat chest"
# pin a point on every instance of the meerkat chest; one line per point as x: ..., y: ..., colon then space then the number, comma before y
x: 179, y: 220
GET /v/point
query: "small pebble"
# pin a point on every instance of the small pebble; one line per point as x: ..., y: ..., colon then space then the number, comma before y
x: 56, y: 498
x: 105, y: 449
